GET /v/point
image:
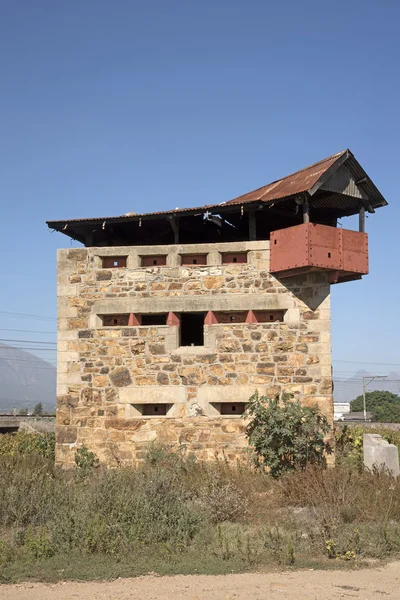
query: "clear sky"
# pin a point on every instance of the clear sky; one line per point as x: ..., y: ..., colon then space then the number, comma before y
x: 115, y: 106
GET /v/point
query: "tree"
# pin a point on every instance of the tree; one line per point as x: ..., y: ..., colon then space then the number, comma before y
x: 286, y: 435
x: 38, y: 409
x: 23, y: 412
x: 384, y: 406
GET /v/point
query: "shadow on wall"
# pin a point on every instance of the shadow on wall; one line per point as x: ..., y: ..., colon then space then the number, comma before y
x: 312, y: 289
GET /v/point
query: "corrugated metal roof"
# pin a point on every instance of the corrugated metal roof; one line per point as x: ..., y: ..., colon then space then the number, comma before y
x: 305, y: 180
x: 293, y: 184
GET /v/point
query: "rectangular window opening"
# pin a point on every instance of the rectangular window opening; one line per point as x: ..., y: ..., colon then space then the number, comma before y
x: 231, y: 317
x: 233, y: 408
x: 154, y: 410
x: 233, y: 257
x: 193, y: 259
x: 152, y: 261
x: 192, y: 329
x: 264, y: 316
x: 230, y: 408
x: 150, y: 410
x: 121, y: 320
x: 113, y: 262
x: 154, y: 319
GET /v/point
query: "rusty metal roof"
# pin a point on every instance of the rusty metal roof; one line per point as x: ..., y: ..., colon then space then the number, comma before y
x: 291, y: 185
x: 306, y: 180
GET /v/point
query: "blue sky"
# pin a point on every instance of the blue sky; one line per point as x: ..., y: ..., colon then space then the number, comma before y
x: 108, y: 107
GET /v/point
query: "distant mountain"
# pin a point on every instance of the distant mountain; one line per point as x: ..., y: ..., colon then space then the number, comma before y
x: 346, y: 390
x: 25, y: 380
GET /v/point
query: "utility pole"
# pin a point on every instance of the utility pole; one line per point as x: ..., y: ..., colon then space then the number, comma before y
x: 364, y: 386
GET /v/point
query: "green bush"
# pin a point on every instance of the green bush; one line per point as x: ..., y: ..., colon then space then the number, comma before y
x: 176, y: 514
x: 349, y: 443
x: 23, y: 443
x: 85, y: 460
x: 285, y: 435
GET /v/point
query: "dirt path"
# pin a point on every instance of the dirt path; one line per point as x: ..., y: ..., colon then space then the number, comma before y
x: 366, y: 584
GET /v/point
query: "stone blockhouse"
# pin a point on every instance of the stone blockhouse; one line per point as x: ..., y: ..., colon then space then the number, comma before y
x: 169, y: 322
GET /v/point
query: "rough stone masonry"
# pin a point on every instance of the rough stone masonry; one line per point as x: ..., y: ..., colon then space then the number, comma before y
x: 106, y: 372
x: 170, y: 321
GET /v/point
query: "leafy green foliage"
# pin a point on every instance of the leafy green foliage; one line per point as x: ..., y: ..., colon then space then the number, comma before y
x: 23, y: 443
x: 23, y: 412
x: 384, y: 406
x: 349, y: 444
x: 286, y: 435
x: 173, y: 514
x: 85, y: 460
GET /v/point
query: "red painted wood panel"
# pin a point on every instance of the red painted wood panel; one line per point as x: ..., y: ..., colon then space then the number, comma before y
x: 194, y: 259
x: 154, y: 261
x: 114, y: 262
x: 233, y: 257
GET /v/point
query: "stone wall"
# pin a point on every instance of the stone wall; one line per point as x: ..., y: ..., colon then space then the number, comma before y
x: 106, y: 373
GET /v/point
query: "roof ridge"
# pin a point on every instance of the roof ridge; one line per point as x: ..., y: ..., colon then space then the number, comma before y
x: 338, y: 155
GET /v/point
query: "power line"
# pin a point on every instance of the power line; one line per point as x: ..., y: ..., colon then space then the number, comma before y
x: 27, y: 316
x: 29, y: 331
x: 27, y: 341
x: 29, y: 348
x: 363, y: 362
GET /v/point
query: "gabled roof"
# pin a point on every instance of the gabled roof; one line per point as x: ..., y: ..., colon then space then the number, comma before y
x: 337, y: 184
x: 291, y: 185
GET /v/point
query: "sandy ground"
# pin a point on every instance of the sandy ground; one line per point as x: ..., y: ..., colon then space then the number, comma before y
x: 367, y: 584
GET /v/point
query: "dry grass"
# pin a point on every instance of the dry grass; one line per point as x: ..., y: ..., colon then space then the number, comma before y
x: 179, y: 515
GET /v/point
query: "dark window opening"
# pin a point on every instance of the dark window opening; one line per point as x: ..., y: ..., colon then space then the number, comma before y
x: 231, y: 317
x: 192, y: 329
x: 154, y: 319
x: 234, y: 257
x: 154, y: 410
x: 234, y: 408
x: 194, y: 259
x: 151, y: 261
x: 268, y: 316
x: 113, y: 262
x: 115, y: 320
x: 329, y: 254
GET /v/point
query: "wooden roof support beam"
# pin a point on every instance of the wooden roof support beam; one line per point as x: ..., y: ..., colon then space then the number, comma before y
x: 175, y: 228
x: 361, y: 220
x: 306, y: 210
x: 252, y: 226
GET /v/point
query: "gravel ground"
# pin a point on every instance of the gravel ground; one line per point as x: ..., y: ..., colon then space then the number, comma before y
x: 366, y: 584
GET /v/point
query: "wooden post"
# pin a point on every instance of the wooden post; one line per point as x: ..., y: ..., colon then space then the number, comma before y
x: 252, y: 226
x: 306, y: 211
x: 361, y: 220
x: 175, y: 228
x: 89, y: 239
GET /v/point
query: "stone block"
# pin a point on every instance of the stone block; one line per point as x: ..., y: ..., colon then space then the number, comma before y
x: 66, y: 434
x: 120, y: 377
x: 378, y: 453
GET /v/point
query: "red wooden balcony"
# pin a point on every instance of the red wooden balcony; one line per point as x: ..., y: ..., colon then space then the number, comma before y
x: 311, y: 247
